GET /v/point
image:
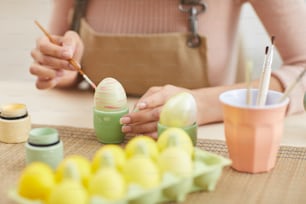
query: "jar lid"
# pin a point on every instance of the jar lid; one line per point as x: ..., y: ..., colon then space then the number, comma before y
x: 43, y: 136
x: 13, y: 110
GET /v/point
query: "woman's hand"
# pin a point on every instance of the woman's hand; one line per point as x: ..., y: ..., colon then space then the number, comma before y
x: 144, y: 118
x: 51, y: 65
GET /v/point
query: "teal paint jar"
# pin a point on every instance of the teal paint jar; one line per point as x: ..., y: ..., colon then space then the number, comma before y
x: 44, y: 145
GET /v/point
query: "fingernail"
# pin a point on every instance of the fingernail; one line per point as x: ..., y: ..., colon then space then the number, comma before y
x: 126, y: 129
x: 125, y: 120
x: 141, y: 105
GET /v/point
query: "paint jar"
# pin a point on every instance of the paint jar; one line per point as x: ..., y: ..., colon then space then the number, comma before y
x: 15, y: 123
x: 44, y: 145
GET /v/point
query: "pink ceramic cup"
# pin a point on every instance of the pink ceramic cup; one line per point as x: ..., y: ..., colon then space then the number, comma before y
x: 253, y: 133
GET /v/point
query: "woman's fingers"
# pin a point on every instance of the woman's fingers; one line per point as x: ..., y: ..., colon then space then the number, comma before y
x: 72, y: 45
x: 152, y: 98
x: 144, y: 120
x: 141, y: 129
x: 52, y: 60
x: 143, y: 116
x: 46, y: 83
x: 57, y: 54
x: 48, y: 48
x: 141, y: 122
x: 47, y: 77
x: 42, y: 72
x: 47, y: 60
x: 157, y: 96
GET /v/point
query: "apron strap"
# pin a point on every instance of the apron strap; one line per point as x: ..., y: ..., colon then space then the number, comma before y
x: 79, y: 11
x: 193, y: 8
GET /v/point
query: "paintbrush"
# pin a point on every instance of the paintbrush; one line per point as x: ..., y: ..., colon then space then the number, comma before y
x: 248, y: 77
x: 291, y: 86
x: 71, y: 61
x: 262, y: 76
x: 266, y: 75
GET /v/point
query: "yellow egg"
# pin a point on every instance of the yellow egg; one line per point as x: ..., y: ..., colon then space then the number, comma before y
x: 143, y: 171
x: 115, y: 151
x: 175, y: 137
x: 149, y: 146
x: 36, y: 181
x: 82, y: 165
x: 110, y: 95
x: 70, y: 189
x: 179, y: 111
x: 107, y: 183
x: 176, y: 161
x: 67, y: 192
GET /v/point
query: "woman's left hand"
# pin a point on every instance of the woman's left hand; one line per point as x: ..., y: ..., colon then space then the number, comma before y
x: 143, y: 120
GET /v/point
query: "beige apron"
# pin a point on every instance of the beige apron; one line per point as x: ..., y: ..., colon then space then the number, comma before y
x: 145, y: 60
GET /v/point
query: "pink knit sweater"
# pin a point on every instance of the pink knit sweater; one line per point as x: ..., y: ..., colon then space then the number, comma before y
x: 282, y: 18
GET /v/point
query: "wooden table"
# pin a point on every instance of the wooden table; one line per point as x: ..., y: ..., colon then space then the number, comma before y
x: 74, y: 108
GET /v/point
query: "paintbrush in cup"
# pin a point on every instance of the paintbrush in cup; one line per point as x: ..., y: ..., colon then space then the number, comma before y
x: 291, y: 86
x: 264, y: 81
x: 71, y: 61
x: 248, y: 77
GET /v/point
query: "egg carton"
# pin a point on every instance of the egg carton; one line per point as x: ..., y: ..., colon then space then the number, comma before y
x: 206, y: 173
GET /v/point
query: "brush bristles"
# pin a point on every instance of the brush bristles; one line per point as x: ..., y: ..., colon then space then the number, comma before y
x: 267, y: 50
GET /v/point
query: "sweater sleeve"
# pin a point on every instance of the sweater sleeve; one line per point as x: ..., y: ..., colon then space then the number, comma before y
x: 286, y: 21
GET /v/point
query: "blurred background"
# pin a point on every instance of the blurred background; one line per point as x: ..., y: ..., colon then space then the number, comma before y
x: 18, y: 34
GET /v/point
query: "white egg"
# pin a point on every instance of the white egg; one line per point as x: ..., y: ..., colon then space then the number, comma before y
x: 110, y: 95
x: 179, y: 111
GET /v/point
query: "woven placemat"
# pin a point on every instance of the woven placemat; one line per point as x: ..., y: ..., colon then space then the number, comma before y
x: 286, y: 183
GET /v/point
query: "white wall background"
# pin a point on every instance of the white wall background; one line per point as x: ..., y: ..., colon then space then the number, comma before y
x: 255, y: 39
x: 17, y: 35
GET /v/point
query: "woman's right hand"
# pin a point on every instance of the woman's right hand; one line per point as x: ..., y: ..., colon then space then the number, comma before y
x: 51, y: 65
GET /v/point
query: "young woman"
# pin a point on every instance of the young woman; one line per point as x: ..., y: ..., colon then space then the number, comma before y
x: 166, y: 47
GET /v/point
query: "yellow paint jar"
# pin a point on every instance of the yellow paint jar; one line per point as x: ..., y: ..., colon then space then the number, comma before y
x: 15, y: 123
